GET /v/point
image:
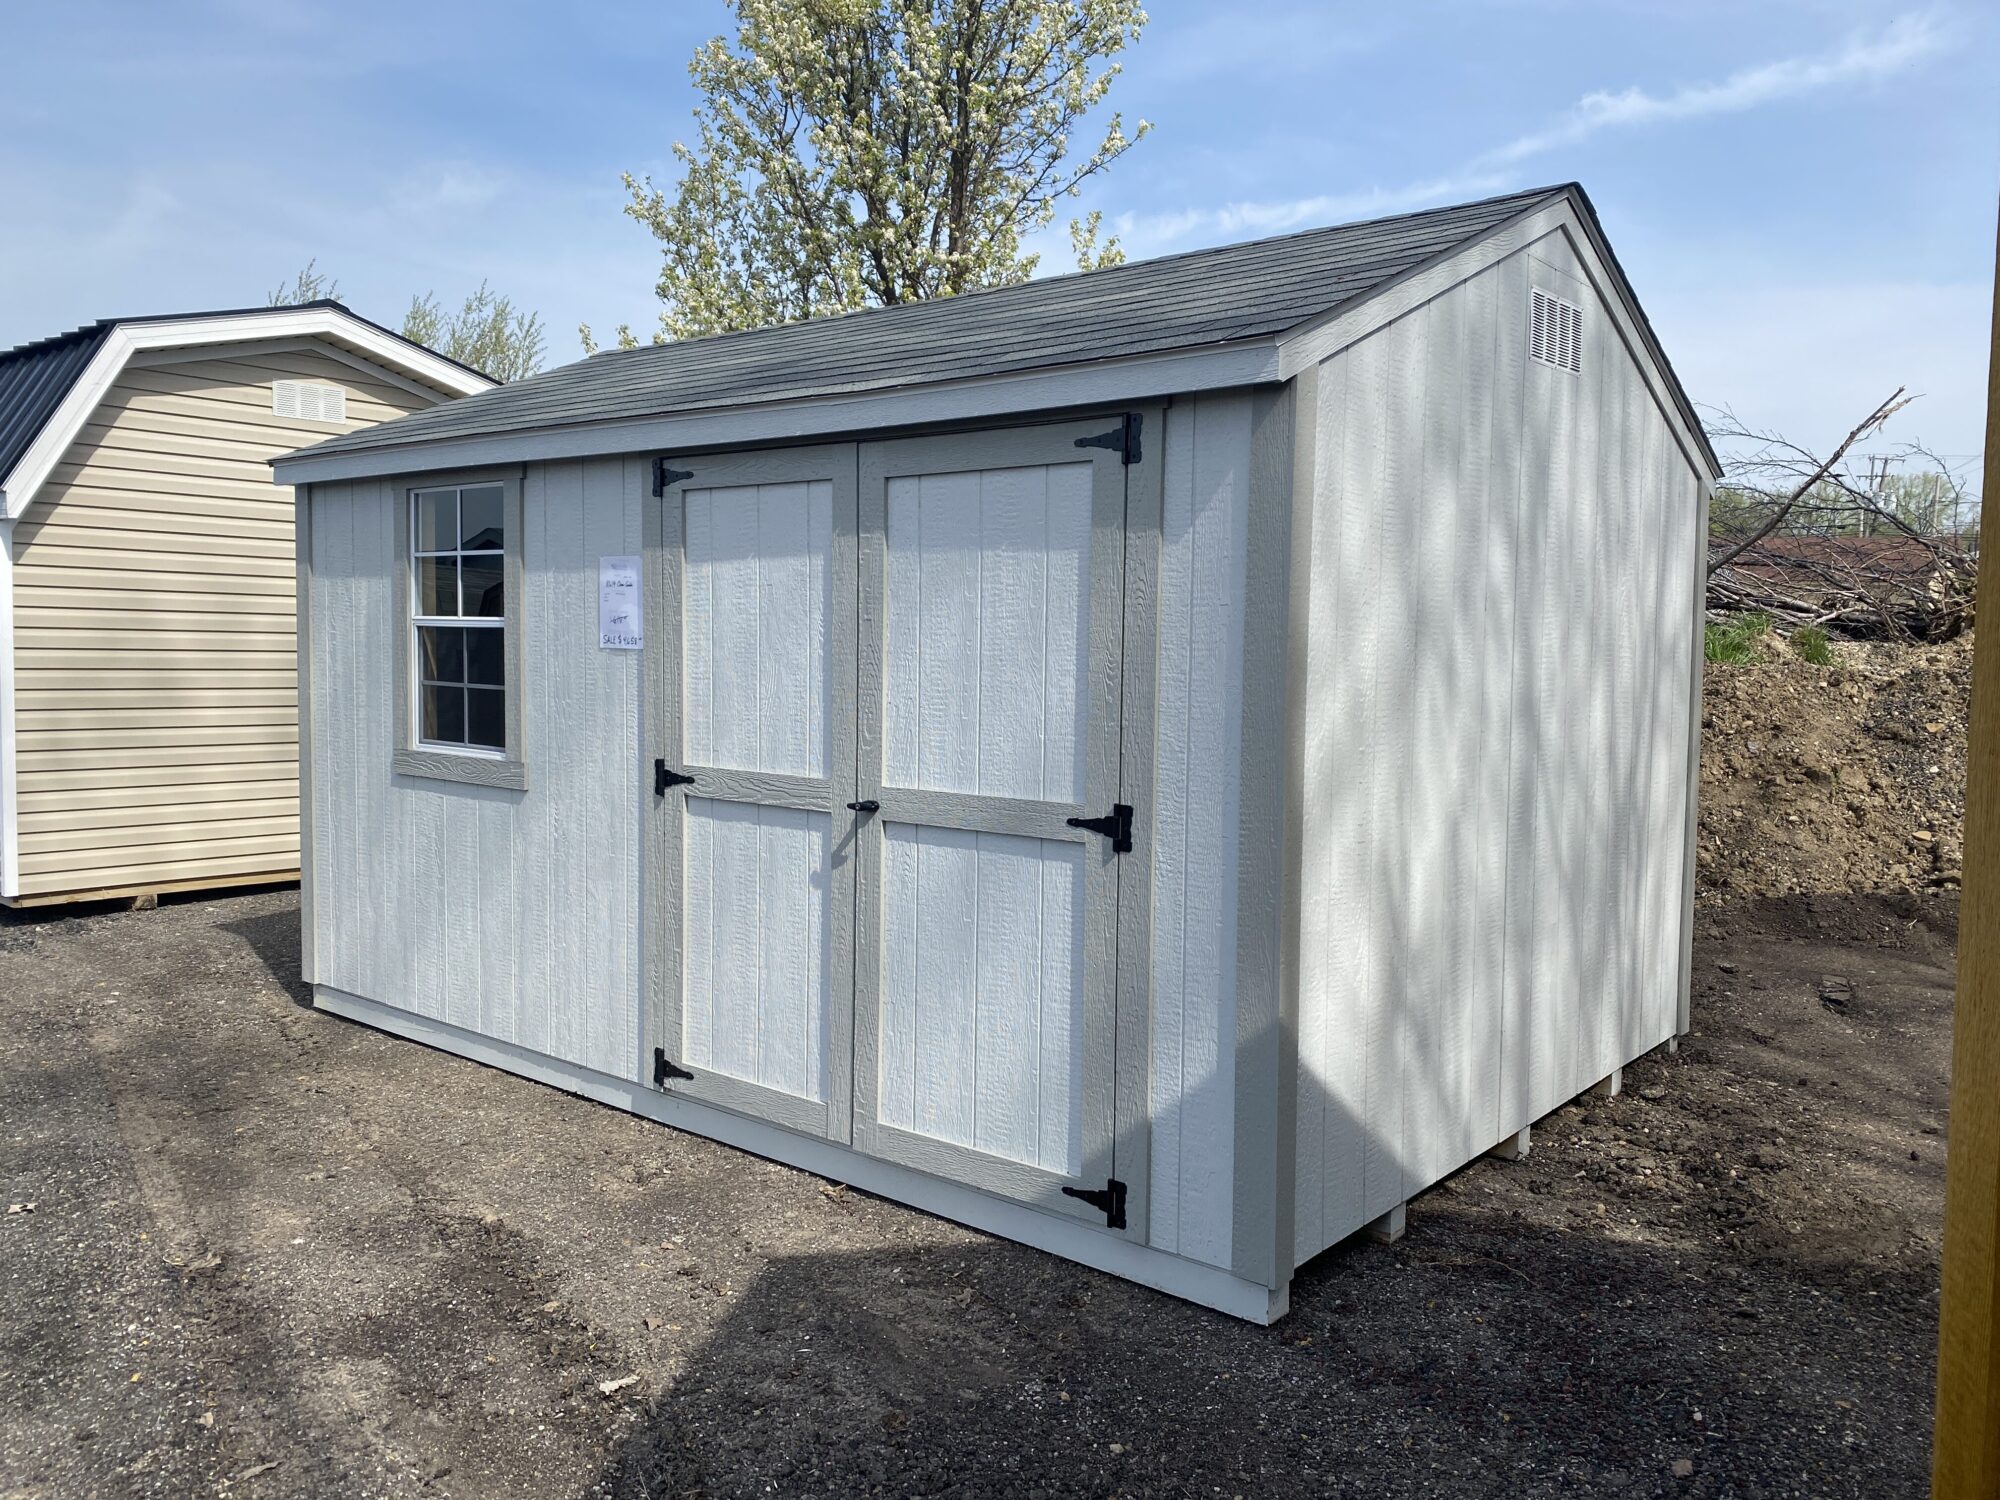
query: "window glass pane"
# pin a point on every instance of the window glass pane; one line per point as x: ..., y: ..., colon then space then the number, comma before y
x: 485, y: 592
x: 437, y: 521
x: 486, y: 656
x: 442, y: 653
x: 437, y: 586
x: 443, y: 714
x: 480, y: 519
x: 486, y: 717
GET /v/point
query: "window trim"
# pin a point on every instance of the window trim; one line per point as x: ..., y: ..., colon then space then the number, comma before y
x: 469, y: 764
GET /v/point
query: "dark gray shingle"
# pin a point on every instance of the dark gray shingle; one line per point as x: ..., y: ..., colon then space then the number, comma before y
x: 1201, y: 298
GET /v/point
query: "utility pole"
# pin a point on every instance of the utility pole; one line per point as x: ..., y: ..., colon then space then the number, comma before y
x: 1965, y: 1459
x: 1878, y: 479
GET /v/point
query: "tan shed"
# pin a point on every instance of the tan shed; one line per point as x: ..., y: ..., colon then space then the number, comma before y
x: 148, y: 647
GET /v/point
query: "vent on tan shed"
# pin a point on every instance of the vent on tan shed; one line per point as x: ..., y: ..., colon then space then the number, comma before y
x: 309, y: 401
x: 1555, y: 336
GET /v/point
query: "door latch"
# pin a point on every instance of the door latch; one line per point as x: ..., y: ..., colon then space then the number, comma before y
x: 865, y: 805
x: 1117, y: 826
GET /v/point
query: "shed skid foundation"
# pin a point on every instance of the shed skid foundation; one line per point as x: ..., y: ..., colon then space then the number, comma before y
x: 1189, y: 1280
x: 152, y: 889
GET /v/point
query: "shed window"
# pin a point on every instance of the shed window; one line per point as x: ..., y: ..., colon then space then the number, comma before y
x: 458, y: 653
x: 459, y: 548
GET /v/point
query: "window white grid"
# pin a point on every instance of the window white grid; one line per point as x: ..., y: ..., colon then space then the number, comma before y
x: 1555, y: 334
x: 460, y: 554
x: 308, y: 401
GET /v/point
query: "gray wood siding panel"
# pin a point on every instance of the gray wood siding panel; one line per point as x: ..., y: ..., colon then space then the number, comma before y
x: 514, y: 914
x: 1197, y: 795
x: 1495, y: 742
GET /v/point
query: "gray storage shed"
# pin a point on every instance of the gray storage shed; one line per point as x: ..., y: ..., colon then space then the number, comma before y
x: 1162, y: 764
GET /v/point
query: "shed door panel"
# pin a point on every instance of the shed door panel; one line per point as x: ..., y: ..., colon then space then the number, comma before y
x: 755, y: 1000
x: 989, y: 679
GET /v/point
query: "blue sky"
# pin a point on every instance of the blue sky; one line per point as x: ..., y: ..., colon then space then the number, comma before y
x: 1803, y: 191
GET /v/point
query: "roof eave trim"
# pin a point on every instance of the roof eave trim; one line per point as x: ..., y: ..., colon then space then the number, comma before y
x: 19, y: 487
x: 1242, y: 362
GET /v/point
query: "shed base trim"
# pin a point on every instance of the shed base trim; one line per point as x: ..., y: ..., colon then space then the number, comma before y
x: 1189, y: 1280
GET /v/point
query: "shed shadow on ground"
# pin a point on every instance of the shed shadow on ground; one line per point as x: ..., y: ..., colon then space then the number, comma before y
x: 274, y: 936
x: 1462, y: 1362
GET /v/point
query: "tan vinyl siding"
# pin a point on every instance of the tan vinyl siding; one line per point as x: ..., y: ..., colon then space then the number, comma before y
x: 155, y: 646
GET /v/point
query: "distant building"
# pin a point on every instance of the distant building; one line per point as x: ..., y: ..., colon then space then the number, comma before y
x: 148, y: 642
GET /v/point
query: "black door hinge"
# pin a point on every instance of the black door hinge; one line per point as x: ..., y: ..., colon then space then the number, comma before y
x: 663, y: 1070
x: 1108, y: 1200
x: 663, y: 778
x: 1122, y: 439
x: 1117, y: 827
x: 664, y: 476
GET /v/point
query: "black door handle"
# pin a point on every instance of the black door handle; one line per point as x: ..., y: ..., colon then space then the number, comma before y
x: 866, y: 805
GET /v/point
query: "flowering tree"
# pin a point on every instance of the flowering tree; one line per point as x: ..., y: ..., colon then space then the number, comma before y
x: 870, y: 152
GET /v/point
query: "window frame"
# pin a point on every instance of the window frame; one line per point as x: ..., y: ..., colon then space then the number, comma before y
x: 413, y: 755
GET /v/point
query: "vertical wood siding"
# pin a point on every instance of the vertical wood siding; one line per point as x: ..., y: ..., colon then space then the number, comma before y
x: 982, y: 992
x: 987, y: 632
x: 759, y: 565
x: 1496, y: 735
x: 155, y: 630
x: 758, y: 943
x: 511, y: 914
x: 1203, y: 556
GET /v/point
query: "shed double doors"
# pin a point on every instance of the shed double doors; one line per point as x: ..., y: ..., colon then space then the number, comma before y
x: 887, y: 841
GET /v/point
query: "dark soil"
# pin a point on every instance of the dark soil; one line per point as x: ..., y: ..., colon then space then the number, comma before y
x: 274, y: 1253
x: 1842, y: 778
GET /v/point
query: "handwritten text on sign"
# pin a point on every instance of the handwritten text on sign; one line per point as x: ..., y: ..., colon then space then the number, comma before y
x: 619, y: 627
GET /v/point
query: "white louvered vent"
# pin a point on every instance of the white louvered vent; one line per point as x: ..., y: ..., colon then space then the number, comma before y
x: 309, y: 401
x: 1555, y: 336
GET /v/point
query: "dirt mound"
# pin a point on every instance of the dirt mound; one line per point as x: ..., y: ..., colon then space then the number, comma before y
x: 1842, y: 778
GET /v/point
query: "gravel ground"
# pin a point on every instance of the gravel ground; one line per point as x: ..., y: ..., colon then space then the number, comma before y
x: 274, y: 1253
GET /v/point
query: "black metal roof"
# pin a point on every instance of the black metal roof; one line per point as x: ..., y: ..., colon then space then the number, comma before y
x: 1189, y: 301
x: 34, y: 377
x: 33, y: 381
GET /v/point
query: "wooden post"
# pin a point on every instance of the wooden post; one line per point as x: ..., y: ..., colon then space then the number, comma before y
x: 1965, y: 1463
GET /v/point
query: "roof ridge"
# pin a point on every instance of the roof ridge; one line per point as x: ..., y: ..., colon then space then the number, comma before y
x: 103, y: 325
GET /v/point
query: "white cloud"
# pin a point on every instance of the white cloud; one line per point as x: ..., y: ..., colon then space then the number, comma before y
x: 1865, y: 56
x: 1146, y: 234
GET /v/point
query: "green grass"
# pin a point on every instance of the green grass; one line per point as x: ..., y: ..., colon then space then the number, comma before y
x: 1811, y: 643
x: 1735, y: 641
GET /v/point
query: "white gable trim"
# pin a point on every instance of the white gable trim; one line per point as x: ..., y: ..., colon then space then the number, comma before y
x: 1314, y: 343
x: 19, y: 488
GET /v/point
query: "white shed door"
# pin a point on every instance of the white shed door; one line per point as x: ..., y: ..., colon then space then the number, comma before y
x: 991, y: 571
x: 757, y: 568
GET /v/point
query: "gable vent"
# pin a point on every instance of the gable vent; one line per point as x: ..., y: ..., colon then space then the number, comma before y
x: 1555, y: 336
x: 309, y: 401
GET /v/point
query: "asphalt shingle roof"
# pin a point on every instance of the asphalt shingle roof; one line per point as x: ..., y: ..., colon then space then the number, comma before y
x: 1202, y: 298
